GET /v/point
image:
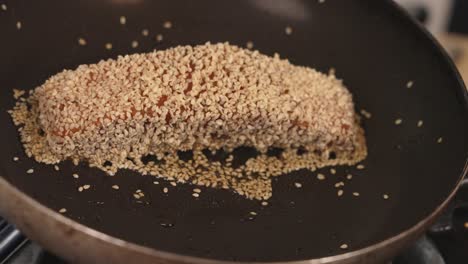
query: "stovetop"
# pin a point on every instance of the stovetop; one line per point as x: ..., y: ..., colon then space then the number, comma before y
x: 445, y: 243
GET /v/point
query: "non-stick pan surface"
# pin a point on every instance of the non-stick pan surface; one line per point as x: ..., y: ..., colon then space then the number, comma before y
x: 373, y: 46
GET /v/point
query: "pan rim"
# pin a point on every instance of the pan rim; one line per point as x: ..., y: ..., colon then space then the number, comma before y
x: 12, y: 191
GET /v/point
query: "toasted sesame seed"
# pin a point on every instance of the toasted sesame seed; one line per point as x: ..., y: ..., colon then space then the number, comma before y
x: 76, y: 176
x: 15, y: 158
x: 30, y: 171
x: 349, y: 176
x: 86, y: 186
x: 288, y: 30
x: 332, y: 171
x: 165, y: 190
x: 115, y: 187
x: 134, y: 44
x: 145, y: 32
x: 264, y: 203
x: 138, y: 191
x: 197, y: 190
x: 82, y: 41
x: 159, y: 37
x: 356, y: 194
x: 195, y: 194
x: 420, y: 123
x: 108, y: 46
x: 155, y: 182
x: 360, y: 167
x: 252, y: 213
x: 466, y: 225
x: 298, y: 185
x: 439, y: 140
x: 4, y: 7
x: 80, y: 189
x: 344, y: 246
x: 398, y: 121
x: 63, y: 210
x: 136, y: 195
x: 339, y: 184
x: 56, y: 168
x: 123, y: 20
x: 366, y: 114
x: 19, y: 25
x: 173, y: 184
x: 249, y: 44
x: 320, y: 176
x: 167, y: 24
x: 409, y: 84
x: 385, y: 196
x: 340, y: 192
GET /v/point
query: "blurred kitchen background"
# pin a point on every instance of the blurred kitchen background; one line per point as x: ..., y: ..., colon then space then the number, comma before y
x: 448, y: 21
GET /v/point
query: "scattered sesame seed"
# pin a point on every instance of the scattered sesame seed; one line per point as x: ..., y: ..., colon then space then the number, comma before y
x: 288, y: 30
x: 82, y: 41
x: 385, y: 196
x: 108, y: 46
x: 167, y: 24
x: 19, y: 25
x: 320, y: 176
x: 340, y: 192
x: 173, y: 184
x: 195, y: 194
x: 56, y: 168
x: 76, y: 176
x: 159, y: 37
x: 138, y: 191
x: 63, y: 210
x: 366, y: 114
x: 321, y: 1
x: 360, y: 167
x: 344, y: 246
x: 250, y: 45
x: 356, y: 194
x: 155, y: 182
x: 332, y: 171
x: 253, y: 213
x: 30, y: 171
x: 80, y: 189
x: 339, y: 184
x: 264, y: 203
x: 165, y: 190
x: 145, y: 32
x: 349, y: 176
x: 197, y: 190
x: 86, y: 186
x: 115, y: 187
x: 398, y: 121
x: 15, y: 158
x: 420, y: 123
x: 409, y: 84
x: 134, y: 44
x: 298, y: 185
x: 439, y: 140
x: 136, y: 195
x: 4, y: 7
x: 466, y: 225
x: 123, y: 20
x: 18, y: 93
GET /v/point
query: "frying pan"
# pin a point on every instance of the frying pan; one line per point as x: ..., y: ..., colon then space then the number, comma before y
x: 373, y: 45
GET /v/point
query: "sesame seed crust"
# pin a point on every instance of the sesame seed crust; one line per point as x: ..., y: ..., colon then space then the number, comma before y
x: 211, y: 96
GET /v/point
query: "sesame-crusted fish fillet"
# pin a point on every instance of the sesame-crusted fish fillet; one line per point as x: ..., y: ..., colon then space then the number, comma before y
x: 210, y: 96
